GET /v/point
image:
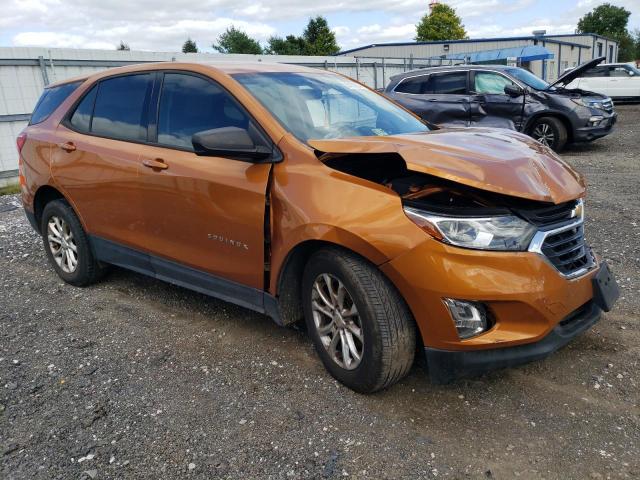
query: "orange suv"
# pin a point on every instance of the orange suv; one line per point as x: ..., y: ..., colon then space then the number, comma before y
x: 300, y: 193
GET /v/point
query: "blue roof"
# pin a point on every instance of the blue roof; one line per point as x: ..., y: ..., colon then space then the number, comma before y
x: 526, y: 53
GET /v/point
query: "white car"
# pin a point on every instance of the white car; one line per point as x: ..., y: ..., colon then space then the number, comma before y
x: 620, y: 81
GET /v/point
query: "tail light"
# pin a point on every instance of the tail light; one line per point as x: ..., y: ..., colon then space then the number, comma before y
x: 20, y: 141
x: 22, y: 138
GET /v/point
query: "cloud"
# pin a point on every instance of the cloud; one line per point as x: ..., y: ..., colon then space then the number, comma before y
x: 163, y: 25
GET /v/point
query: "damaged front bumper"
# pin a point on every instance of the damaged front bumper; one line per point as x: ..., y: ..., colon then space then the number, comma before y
x: 590, y: 133
x: 446, y: 366
x: 534, y: 309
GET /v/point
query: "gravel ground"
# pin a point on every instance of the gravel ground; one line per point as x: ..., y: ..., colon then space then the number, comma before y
x: 134, y: 378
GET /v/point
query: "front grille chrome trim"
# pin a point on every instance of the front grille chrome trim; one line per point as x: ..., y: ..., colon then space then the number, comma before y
x: 538, y: 240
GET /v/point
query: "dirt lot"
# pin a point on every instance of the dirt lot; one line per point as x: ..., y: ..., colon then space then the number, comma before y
x: 134, y: 378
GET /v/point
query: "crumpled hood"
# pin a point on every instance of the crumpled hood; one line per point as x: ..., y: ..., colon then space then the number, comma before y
x: 500, y: 161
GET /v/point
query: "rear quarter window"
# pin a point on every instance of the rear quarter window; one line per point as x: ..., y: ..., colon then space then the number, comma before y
x: 51, y: 99
x: 413, y: 85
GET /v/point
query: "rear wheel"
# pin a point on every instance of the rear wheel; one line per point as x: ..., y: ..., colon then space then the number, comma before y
x: 67, y: 245
x: 362, y: 329
x: 550, y: 131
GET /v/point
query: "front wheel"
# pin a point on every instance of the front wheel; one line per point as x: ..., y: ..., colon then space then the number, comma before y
x: 362, y: 329
x: 551, y: 132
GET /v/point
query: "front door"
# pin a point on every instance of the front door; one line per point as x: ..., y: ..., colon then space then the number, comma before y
x: 490, y: 105
x: 203, y: 212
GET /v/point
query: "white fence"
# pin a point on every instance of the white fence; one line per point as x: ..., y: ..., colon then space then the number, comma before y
x: 24, y: 72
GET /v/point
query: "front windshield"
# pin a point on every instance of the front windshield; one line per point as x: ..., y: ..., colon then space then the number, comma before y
x: 632, y: 68
x: 529, y: 78
x: 325, y: 105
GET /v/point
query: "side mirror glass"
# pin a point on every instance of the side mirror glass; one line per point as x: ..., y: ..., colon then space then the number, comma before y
x: 233, y: 142
x: 513, y: 90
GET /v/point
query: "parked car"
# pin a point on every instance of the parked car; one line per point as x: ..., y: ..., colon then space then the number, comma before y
x: 506, y: 97
x: 620, y: 81
x: 299, y: 193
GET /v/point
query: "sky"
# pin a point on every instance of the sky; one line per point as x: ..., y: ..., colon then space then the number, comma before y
x: 163, y: 25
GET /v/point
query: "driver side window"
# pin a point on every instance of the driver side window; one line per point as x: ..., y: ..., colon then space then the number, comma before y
x: 490, y: 83
x: 190, y: 104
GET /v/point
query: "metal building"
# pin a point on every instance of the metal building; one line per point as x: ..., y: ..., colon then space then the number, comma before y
x: 553, y: 53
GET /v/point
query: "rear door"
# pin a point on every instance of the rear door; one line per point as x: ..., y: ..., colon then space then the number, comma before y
x: 441, y: 98
x: 97, y: 156
x: 623, y: 82
x: 490, y: 106
x: 200, y: 211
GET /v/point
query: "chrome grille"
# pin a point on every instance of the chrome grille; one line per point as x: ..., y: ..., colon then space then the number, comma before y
x: 561, y: 237
x: 567, y: 250
x: 550, y: 215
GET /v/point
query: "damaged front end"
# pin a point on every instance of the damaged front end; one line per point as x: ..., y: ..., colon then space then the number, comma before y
x: 473, y: 218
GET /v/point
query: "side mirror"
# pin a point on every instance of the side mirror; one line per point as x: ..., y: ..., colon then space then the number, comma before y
x: 233, y: 142
x: 513, y: 90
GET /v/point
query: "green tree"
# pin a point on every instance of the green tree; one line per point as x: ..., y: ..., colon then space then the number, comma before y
x: 319, y: 38
x: 442, y: 23
x: 636, y: 41
x: 234, y: 40
x: 189, y: 46
x: 291, y: 45
x: 610, y: 21
x: 123, y: 46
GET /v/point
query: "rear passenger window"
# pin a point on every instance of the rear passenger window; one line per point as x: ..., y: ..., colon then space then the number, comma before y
x: 51, y: 99
x: 454, y: 83
x: 191, y: 104
x: 81, y: 118
x: 121, y: 107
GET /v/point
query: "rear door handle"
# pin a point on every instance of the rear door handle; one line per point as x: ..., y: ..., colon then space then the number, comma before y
x: 156, y: 164
x: 67, y: 146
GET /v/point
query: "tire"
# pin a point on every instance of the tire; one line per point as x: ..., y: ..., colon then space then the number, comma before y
x: 386, y: 326
x: 550, y: 131
x: 85, y: 270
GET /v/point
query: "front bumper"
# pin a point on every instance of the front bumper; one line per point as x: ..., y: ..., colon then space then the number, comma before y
x: 446, y: 366
x: 588, y: 134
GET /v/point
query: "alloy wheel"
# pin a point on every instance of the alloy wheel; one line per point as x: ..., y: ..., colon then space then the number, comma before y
x: 544, y: 134
x: 62, y: 244
x: 337, y: 321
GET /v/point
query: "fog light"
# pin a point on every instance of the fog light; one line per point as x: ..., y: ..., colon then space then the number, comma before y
x: 595, y: 120
x: 470, y: 318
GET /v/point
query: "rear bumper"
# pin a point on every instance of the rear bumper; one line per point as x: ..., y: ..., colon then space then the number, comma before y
x: 588, y: 134
x: 446, y: 366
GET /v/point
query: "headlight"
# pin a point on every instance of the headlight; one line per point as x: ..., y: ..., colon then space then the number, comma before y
x: 590, y: 103
x: 505, y: 232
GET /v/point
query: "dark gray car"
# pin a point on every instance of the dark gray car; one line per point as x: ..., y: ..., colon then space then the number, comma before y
x: 506, y: 97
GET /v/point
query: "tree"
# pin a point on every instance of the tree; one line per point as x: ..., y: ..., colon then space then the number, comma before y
x: 234, y: 40
x: 442, y: 23
x: 123, y: 46
x: 319, y: 38
x: 610, y: 21
x: 291, y: 45
x: 189, y: 46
